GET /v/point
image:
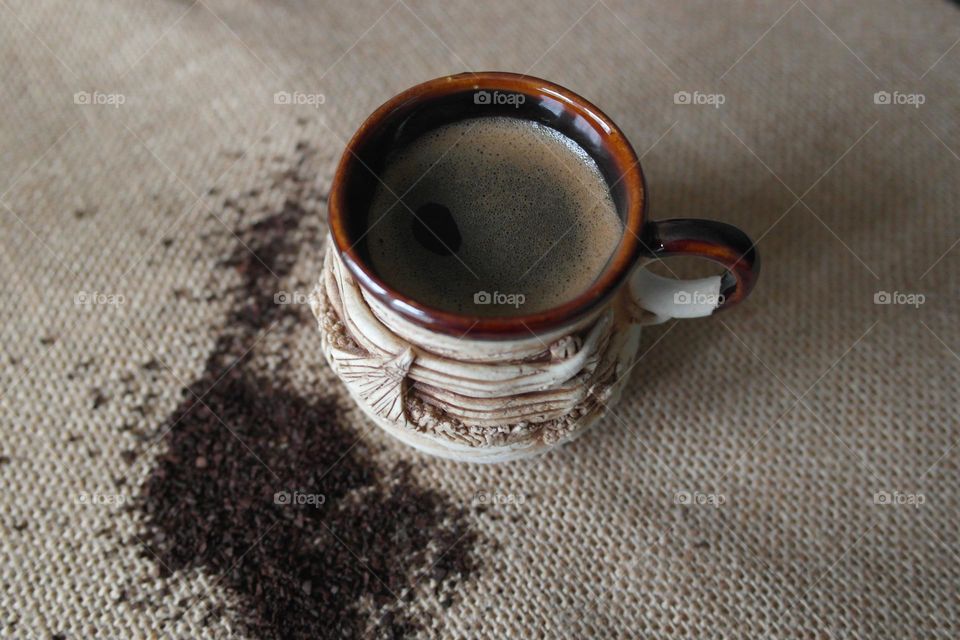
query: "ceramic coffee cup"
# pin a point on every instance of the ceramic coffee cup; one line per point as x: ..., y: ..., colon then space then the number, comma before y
x: 491, y: 389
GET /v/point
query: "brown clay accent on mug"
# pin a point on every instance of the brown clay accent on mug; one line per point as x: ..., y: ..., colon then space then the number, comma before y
x: 448, y: 99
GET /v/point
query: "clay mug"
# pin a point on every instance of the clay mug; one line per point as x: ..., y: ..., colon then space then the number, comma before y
x: 491, y: 389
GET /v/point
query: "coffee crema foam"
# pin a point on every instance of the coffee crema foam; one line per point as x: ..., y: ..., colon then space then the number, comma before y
x: 492, y: 216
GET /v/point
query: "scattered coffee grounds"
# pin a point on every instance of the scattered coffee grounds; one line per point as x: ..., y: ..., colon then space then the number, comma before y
x: 97, y: 398
x: 274, y: 496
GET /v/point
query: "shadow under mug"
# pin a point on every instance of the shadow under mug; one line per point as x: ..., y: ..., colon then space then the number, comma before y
x: 498, y: 388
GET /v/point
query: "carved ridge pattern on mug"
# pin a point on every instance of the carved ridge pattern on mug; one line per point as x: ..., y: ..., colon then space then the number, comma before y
x: 529, y: 209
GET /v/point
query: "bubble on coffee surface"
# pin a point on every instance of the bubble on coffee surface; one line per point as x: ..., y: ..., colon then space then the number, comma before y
x: 534, y: 218
x: 436, y: 230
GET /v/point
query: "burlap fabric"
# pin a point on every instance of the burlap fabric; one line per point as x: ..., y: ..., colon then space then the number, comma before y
x: 789, y: 469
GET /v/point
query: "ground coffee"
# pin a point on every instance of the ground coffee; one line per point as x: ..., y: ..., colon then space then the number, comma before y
x: 272, y: 494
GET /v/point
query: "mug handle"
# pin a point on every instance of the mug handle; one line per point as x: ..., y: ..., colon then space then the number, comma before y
x: 661, y: 299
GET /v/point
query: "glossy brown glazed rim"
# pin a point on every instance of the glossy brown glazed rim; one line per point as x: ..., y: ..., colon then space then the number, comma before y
x: 616, y: 148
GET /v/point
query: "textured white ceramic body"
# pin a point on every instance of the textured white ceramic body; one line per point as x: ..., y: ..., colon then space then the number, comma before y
x: 474, y: 400
x: 465, y: 453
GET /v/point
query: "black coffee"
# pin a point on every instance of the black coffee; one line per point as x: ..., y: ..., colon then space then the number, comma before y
x: 492, y: 216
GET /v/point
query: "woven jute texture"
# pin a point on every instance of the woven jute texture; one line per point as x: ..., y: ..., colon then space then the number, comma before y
x: 788, y: 469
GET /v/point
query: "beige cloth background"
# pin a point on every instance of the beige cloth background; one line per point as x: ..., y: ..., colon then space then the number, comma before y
x: 794, y: 410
